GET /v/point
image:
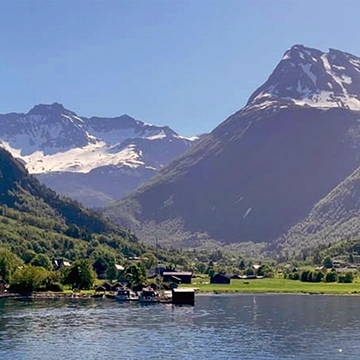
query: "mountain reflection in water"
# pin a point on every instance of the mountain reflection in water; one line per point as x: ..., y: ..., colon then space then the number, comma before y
x: 217, y: 327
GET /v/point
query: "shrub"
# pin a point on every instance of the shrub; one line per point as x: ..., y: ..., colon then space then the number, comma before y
x: 346, y: 277
x: 294, y: 276
x: 331, y: 276
x: 311, y: 276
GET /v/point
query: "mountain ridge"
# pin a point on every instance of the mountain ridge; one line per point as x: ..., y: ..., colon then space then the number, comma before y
x: 57, y: 145
x: 262, y: 170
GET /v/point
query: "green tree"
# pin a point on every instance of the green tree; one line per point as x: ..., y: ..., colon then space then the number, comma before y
x: 249, y: 271
x: 80, y: 275
x: 346, y: 277
x: 316, y: 257
x: 149, y: 260
x: 29, y: 278
x: 201, y: 267
x: 103, y: 259
x: 327, y: 262
x: 265, y: 270
x: 42, y: 260
x: 331, y: 276
x: 73, y: 231
x: 304, y: 275
x: 294, y: 276
x: 242, y: 265
x: 211, y: 272
x: 9, y: 262
x: 351, y: 258
x: 216, y: 255
x: 136, y: 273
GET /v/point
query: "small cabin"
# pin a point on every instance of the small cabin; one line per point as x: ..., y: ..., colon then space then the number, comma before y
x: 106, y: 286
x: 183, y: 296
x: 177, y: 277
x: 220, y: 279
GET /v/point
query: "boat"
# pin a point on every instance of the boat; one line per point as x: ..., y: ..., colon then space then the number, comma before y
x: 148, y: 295
x: 126, y: 295
x: 165, y: 296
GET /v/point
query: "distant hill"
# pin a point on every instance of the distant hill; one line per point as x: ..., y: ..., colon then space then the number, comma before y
x: 335, y: 217
x: 264, y: 168
x: 93, y: 160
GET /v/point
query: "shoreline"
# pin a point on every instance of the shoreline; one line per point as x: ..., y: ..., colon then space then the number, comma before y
x: 80, y: 296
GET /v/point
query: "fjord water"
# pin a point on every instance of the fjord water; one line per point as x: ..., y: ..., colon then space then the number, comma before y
x: 217, y: 327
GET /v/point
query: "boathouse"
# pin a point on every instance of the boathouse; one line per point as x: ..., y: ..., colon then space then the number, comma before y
x: 220, y: 279
x: 183, y: 296
x: 177, y: 277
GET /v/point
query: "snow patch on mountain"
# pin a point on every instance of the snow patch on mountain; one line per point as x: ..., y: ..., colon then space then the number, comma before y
x: 51, y: 138
x: 309, y: 77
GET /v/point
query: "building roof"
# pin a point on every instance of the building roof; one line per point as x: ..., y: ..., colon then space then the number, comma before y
x: 183, y: 290
x: 174, y: 273
x: 100, y: 288
x: 224, y: 275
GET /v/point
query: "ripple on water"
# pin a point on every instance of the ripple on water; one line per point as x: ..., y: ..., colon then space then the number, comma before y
x: 217, y: 327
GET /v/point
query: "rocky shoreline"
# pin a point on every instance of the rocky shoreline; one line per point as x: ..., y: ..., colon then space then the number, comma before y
x: 45, y: 296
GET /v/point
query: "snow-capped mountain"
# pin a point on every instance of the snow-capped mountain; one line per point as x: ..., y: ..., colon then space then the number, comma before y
x: 69, y: 152
x: 310, y: 77
x: 264, y: 168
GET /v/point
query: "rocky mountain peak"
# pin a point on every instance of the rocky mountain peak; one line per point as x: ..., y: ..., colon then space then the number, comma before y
x: 310, y: 77
x: 50, y: 109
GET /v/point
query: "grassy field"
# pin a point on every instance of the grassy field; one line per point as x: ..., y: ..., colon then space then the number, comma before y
x: 276, y: 285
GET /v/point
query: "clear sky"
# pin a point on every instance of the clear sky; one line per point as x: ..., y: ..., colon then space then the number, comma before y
x: 186, y: 64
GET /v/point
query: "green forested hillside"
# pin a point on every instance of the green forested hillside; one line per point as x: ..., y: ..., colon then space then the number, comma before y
x: 34, y: 219
x: 23, y: 192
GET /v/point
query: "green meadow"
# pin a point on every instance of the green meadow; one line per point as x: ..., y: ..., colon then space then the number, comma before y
x: 275, y: 285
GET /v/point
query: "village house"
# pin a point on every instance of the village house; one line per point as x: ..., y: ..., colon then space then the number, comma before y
x: 59, y: 264
x: 177, y: 277
x: 220, y: 279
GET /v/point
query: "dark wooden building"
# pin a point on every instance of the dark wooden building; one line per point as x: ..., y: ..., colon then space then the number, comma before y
x: 220, y: 279
x: 177, y: 277
x: 183, y: 296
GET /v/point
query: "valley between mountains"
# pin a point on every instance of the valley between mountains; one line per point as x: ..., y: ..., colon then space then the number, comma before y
x: 282, y: 173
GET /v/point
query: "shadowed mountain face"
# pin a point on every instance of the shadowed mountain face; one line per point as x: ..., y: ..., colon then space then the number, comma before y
x: 335, y: 217
x: 93, y: 160
x: 264, y: 168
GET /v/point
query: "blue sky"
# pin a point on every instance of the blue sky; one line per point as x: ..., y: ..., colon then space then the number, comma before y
x: 186, y: 64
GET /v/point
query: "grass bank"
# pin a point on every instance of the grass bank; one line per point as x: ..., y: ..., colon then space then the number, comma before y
x: 276, y: 285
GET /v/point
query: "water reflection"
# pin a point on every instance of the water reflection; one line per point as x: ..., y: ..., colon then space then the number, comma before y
x: 217, y: 327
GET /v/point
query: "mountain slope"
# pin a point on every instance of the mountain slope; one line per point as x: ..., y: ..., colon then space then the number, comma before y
x: 264, y: 168
x: 35, y: 220
x: 62, y: 148
x: 335, y: 217
x: 21, y: 191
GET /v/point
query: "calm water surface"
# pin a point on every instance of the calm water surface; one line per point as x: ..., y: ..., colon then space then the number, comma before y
x: 217, y: 327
